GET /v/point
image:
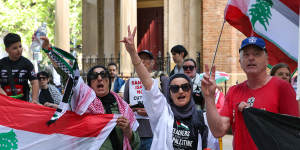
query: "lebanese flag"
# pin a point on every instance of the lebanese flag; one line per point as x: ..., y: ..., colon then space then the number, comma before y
x: 276, y: 21
x: 23, y: 126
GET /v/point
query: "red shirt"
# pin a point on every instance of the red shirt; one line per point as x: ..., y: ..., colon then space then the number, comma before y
x: 276, y: 96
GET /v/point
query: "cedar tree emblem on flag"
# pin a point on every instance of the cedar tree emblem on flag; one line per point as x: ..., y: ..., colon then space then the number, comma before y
x: 276, y: 21
x: 8, y: 141
x: 261, y: 12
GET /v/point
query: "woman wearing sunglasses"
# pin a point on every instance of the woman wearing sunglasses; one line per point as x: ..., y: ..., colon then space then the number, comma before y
x: 95, y: 97
x: 49, y: 95
x: 189, y: 69
x: 175, y: 122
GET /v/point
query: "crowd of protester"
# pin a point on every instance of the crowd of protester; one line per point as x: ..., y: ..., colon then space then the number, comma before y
x: 178, y: 111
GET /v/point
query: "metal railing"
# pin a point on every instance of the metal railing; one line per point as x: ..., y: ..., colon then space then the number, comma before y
x: 162, y: 64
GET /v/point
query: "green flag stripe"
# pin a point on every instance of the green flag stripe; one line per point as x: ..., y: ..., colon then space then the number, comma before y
x: 65, y: 54
x: 64, y: 62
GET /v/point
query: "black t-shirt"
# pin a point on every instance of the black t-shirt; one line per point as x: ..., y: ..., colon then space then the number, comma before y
x: 20, y: 72
x: 185, y: 137
x: 45, y: 96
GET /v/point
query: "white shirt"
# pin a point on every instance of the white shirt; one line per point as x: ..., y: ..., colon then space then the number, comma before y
x: 178, y: 71
x: 161, y: 120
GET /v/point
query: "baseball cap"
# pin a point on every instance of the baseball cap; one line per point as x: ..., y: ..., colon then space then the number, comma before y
x: 253, y: 41
x: 146, y: 52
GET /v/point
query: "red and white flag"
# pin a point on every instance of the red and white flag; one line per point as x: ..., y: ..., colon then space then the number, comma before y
x: 276, y: 21
x: 23, y: 126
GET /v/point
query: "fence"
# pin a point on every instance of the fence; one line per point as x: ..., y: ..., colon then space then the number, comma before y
x: 162, y: 64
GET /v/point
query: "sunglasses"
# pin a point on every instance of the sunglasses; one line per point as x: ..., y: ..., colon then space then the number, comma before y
x: 103, y: 74
x: 175, y: 88
x: 185, y: 68
x: 42, y: 78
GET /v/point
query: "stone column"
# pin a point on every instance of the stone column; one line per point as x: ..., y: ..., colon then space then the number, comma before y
x: 62, y: 34
x: 100, y: 33
x: 128, y: 16
x: 109, y: 28
x: 177, y: 23
x: 195, y: 31
x: 183, y: 26
x: 89, y: 33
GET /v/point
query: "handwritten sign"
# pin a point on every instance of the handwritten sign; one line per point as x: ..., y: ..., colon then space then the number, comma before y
x: 135, y: 91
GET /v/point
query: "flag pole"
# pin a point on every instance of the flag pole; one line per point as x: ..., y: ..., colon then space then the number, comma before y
x: 298, y: 82
x: 218, y: 43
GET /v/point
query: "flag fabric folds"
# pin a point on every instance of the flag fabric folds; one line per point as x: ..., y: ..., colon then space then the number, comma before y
x: 69, y: 69
x: 23, y: 126
x: 272, y: 131
x: 276, y: 21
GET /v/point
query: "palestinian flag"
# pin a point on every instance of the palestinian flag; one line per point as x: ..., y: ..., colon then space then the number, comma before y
x: 272, y: 131
x: 23, y: 126
x: 276, y: 21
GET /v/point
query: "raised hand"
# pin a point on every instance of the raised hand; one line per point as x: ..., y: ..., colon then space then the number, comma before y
x: 141, y: 70
x: 208, y: 84
x: 129, y: 40
x: 46, y: 43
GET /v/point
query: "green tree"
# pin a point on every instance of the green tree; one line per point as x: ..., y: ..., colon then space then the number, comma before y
x: 261, y: 12
x: 24, y: 17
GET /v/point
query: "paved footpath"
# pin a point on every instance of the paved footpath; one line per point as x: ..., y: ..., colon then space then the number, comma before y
x: 227, y: 142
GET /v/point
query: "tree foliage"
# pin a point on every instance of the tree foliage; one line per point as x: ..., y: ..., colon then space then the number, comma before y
x: 24, y: 16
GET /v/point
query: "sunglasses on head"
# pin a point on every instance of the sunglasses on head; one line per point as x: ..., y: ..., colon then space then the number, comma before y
x: 103, y: 74
x: 185, y: 68
x: 175, y: 88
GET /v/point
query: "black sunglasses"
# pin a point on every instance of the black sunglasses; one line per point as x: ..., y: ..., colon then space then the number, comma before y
x: 185, y: 68
x: 103, y: 74
x: 175, y: 88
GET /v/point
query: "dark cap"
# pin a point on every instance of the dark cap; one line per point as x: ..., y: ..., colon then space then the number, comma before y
x: 253, y: 41
x: 146, y: 52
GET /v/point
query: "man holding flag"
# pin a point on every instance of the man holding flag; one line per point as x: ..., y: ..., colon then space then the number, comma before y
x: 259, y: 90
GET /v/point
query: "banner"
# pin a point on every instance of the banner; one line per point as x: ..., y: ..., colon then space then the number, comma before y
x: 23, y: 126
x: 272, y: 131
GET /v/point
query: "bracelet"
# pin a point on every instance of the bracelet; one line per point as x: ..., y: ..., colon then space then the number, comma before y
x: 137, y: 63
